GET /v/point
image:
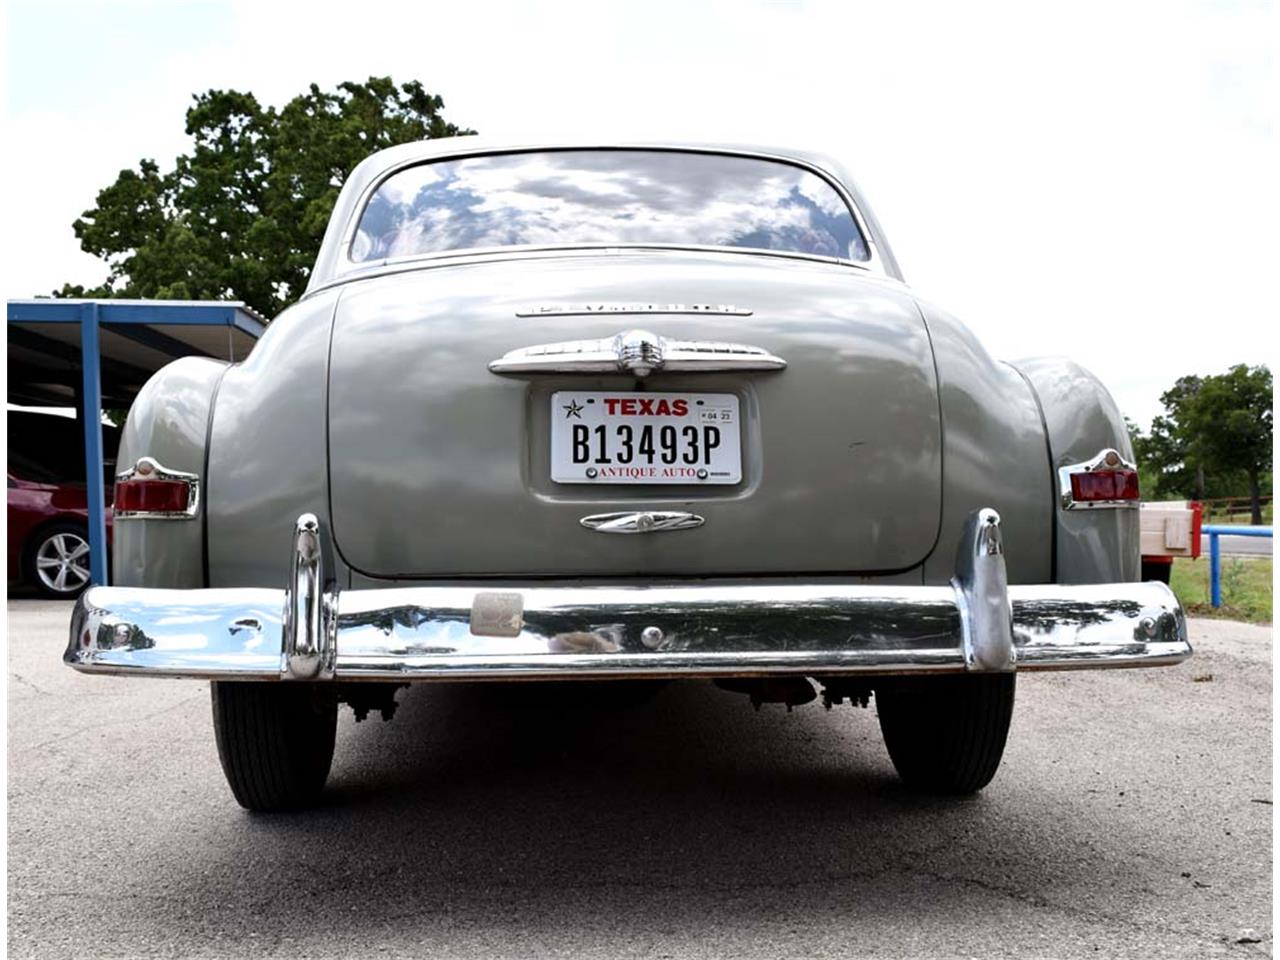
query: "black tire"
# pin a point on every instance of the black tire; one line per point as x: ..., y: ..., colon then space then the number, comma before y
x: 46, y: 561
x: 946, y: 734
x: 275, y: 741
x: 1156, y: 571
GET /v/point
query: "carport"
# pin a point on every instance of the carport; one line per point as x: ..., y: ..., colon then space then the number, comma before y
x: 92, y: 354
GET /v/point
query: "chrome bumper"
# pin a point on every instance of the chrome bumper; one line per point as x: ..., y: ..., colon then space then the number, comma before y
x: 307, y: 632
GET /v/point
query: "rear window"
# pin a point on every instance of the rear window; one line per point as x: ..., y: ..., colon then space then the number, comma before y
x: 606, y: 196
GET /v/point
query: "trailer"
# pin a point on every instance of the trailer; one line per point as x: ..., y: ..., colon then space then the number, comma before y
x: 1170, y: 529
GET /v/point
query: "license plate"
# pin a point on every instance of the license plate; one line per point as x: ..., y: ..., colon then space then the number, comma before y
x: 599, y: 437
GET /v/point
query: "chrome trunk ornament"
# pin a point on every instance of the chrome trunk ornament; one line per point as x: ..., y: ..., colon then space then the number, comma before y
x: 655, y: 521
x: 639, y: 352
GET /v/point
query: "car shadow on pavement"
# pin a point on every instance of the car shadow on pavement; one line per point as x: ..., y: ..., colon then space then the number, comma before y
x: 487, y: 812
x: 530, y: 745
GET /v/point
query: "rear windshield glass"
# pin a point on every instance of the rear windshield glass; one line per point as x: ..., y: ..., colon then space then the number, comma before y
x: 606, y: 196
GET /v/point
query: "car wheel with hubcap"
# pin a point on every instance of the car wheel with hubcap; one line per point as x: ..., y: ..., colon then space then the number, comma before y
x: 946, y: 734
x: 58, y: 561
x: 275, y: 741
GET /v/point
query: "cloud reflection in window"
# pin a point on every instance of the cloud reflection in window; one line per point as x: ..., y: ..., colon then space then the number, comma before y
x: 606, y: 196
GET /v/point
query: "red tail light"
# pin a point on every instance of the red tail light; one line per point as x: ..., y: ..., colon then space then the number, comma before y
x: 1108, y: 481
x: 152, y: 496
x: 1105, y: 485
x: 149, y: 490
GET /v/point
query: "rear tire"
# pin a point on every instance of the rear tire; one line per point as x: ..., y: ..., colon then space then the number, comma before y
x: 946, y: 734
x: 275, y: 741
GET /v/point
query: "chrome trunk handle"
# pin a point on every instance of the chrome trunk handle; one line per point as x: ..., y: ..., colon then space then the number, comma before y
x: 638, y: 352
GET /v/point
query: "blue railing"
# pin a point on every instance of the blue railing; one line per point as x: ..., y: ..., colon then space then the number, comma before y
x: 1213, y: 531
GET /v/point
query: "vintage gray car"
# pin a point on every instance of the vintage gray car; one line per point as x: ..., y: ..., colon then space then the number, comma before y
x: 618, y: 412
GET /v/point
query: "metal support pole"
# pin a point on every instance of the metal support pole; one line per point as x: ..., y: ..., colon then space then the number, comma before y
x: 1215, y: 530
x: 91, y: 412
x: 1215, y: 571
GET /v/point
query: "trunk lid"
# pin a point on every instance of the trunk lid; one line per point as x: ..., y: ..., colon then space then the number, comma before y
x: 440, y: 468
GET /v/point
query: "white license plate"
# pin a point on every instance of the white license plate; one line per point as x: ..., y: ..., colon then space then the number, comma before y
x: 599, y: 437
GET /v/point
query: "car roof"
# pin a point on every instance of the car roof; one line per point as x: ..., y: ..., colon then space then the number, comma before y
x: 419, y: 150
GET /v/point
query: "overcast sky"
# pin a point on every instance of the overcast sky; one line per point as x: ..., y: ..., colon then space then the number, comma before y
x: 1088, y: 179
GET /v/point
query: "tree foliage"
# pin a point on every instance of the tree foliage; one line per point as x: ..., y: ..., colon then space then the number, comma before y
x: 241, y: 215
x: 1214, y: 437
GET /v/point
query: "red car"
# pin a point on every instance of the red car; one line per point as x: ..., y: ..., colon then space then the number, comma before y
x: 48, y: 509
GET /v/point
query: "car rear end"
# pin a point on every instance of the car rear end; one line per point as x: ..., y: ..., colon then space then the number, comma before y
x: 602, y: 414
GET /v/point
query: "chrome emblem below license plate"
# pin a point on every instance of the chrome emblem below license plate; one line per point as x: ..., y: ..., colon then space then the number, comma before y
x: 644, y: 521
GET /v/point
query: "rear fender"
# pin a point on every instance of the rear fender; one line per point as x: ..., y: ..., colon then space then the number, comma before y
x: 1082, y: 419
x: 169, y: 422
x: 269, y: 447
x: 993, y: 454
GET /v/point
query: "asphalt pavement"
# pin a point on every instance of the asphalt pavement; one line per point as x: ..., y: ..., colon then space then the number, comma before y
x: 1239, y: 546
x: 1132, y: 818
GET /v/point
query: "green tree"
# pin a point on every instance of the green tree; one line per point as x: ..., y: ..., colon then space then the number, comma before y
x: 1168, y: 451
x: 242, y: 214
x: 1230, y: 421
x: 1214, y: 438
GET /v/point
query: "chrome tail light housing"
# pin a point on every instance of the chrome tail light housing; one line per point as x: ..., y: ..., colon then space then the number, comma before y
x: 150, y: 491
x: 1108, y: 481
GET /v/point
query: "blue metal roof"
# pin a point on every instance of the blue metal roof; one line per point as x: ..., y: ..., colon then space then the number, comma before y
x: 162, y: 312
x: 123, y: 342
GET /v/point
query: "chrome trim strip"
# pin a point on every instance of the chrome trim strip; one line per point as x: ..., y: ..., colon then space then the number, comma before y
x: 1106, y: 457
x: 626, y: 309
x: 153, y: 470
x: 701, y: 629
x: 639, y: 352
x: 384, y: 268
x: 643, y: 521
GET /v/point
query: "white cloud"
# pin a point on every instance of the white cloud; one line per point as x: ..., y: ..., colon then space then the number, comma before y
x: 1092, y: 179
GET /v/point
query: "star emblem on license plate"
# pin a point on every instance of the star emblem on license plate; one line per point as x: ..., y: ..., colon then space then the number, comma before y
x: 574, y: 409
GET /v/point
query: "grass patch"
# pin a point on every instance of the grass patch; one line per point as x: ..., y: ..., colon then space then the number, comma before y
x: 1246, y: 588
